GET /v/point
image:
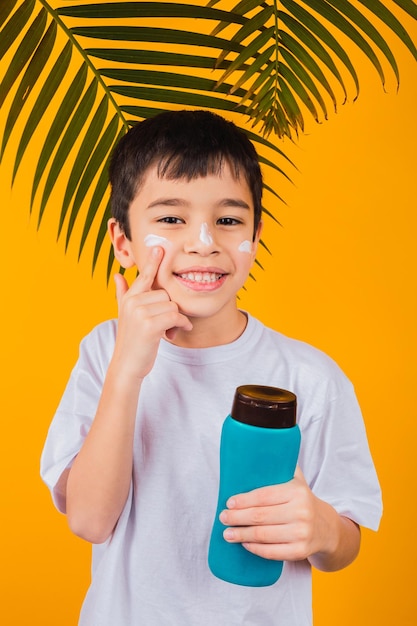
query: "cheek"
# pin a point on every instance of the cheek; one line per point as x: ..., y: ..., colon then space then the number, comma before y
x: 245, y: 255
x: 151, y: 240
x: 155, y: 240
x: 246, y: 246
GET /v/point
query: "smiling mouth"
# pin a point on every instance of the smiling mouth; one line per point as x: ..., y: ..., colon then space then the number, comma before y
x: 201, y: 277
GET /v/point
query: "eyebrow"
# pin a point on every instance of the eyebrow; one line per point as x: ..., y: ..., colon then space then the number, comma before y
x: 236, y: 202
x: 232, y: 202
x: 165, y: 202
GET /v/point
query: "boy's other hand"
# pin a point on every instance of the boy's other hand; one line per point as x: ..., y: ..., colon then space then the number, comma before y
x: 283, y: 522
x: 145, y: 316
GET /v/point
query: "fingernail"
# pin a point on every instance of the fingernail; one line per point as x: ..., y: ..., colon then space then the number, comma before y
x: 231, y: 503
x: 223, y: 517
x: 229, y: 534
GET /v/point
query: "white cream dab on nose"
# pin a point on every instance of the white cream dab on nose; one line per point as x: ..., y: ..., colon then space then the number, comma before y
x: 155, y: 240
x: 245, y: 246
x: 205, y: 236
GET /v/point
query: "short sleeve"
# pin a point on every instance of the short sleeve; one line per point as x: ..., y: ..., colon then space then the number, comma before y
x: 337, y: 458
x: 77, y: 408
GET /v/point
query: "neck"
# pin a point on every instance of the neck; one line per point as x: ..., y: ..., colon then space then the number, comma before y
x: 208, y: 333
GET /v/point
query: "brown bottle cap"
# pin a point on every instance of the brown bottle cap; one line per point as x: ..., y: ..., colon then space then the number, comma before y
x: 267, y: 407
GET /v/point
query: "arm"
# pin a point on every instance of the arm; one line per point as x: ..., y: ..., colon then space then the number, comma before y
x: 98, y: 483
x: 288, y: 522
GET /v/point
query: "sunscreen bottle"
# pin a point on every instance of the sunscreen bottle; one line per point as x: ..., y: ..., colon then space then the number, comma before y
x: 259, y: 446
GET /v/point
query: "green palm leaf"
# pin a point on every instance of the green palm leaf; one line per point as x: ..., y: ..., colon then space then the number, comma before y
x: 72, y: 131
x: 24, y: 52
x: 368, y: 28
x: 153, y: 57
x: 97, y: 161
x: 309, y: 26
x: 66, y: 108
x: 126, y: 10
x: 88, y: 144
x: 270, y: 62
x: 15, y: 24
x: 31, y: 76
x: 6, y: 8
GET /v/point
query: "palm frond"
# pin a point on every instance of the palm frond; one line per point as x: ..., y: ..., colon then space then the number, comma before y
x: 311, y: 25
x: 266, y: 62
x: 94, y: 111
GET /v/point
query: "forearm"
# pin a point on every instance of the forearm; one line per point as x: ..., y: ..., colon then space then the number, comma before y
x: 339, y: 537
x: 99, y: 480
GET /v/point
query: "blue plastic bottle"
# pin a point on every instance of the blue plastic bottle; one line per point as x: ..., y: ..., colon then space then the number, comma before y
x: 259, y: 446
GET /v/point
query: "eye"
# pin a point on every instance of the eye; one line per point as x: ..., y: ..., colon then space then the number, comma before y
x: 170, y: 219
x: 228, y: 221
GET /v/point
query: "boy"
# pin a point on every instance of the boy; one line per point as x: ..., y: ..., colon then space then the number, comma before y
x: 132, y: 454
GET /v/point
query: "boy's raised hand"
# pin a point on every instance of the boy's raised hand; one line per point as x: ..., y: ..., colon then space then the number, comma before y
x: 145, y: 316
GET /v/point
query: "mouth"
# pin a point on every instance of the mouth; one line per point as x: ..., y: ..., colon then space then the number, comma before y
x: 201, y: 279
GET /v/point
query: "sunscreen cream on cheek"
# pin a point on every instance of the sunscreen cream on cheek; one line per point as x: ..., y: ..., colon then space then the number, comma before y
x: 245, y: 246
x: 156, y: 240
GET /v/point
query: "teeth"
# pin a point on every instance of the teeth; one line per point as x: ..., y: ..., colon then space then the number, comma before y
x: 201, y: 277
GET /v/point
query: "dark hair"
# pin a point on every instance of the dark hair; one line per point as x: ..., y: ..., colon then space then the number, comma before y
x: 183, y: 144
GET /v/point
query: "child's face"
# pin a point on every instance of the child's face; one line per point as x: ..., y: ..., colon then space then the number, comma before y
x: 205, y: 227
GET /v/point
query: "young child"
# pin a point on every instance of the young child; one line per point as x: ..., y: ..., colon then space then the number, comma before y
x: 132, y: 455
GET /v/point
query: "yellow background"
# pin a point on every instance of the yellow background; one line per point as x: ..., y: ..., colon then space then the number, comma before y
x: 342, y: 277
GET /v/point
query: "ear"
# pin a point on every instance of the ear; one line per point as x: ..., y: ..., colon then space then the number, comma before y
x: 122, y: 246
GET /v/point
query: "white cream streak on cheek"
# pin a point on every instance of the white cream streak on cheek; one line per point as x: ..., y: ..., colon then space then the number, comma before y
x: 245, y: 246
x: 155, y: 240
x: 205, y: 236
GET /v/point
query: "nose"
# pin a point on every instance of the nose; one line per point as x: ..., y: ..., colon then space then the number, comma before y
x: 201, y: 241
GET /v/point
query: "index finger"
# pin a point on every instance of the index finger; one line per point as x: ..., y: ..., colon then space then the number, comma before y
x: 147, y: 274
x: 263, y: 496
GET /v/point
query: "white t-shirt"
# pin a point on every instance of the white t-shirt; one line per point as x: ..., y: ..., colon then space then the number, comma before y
x: 153, y: 570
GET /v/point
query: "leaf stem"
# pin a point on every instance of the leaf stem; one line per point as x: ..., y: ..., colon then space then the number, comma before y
x: 276, y: 25
x: 61, y: 24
